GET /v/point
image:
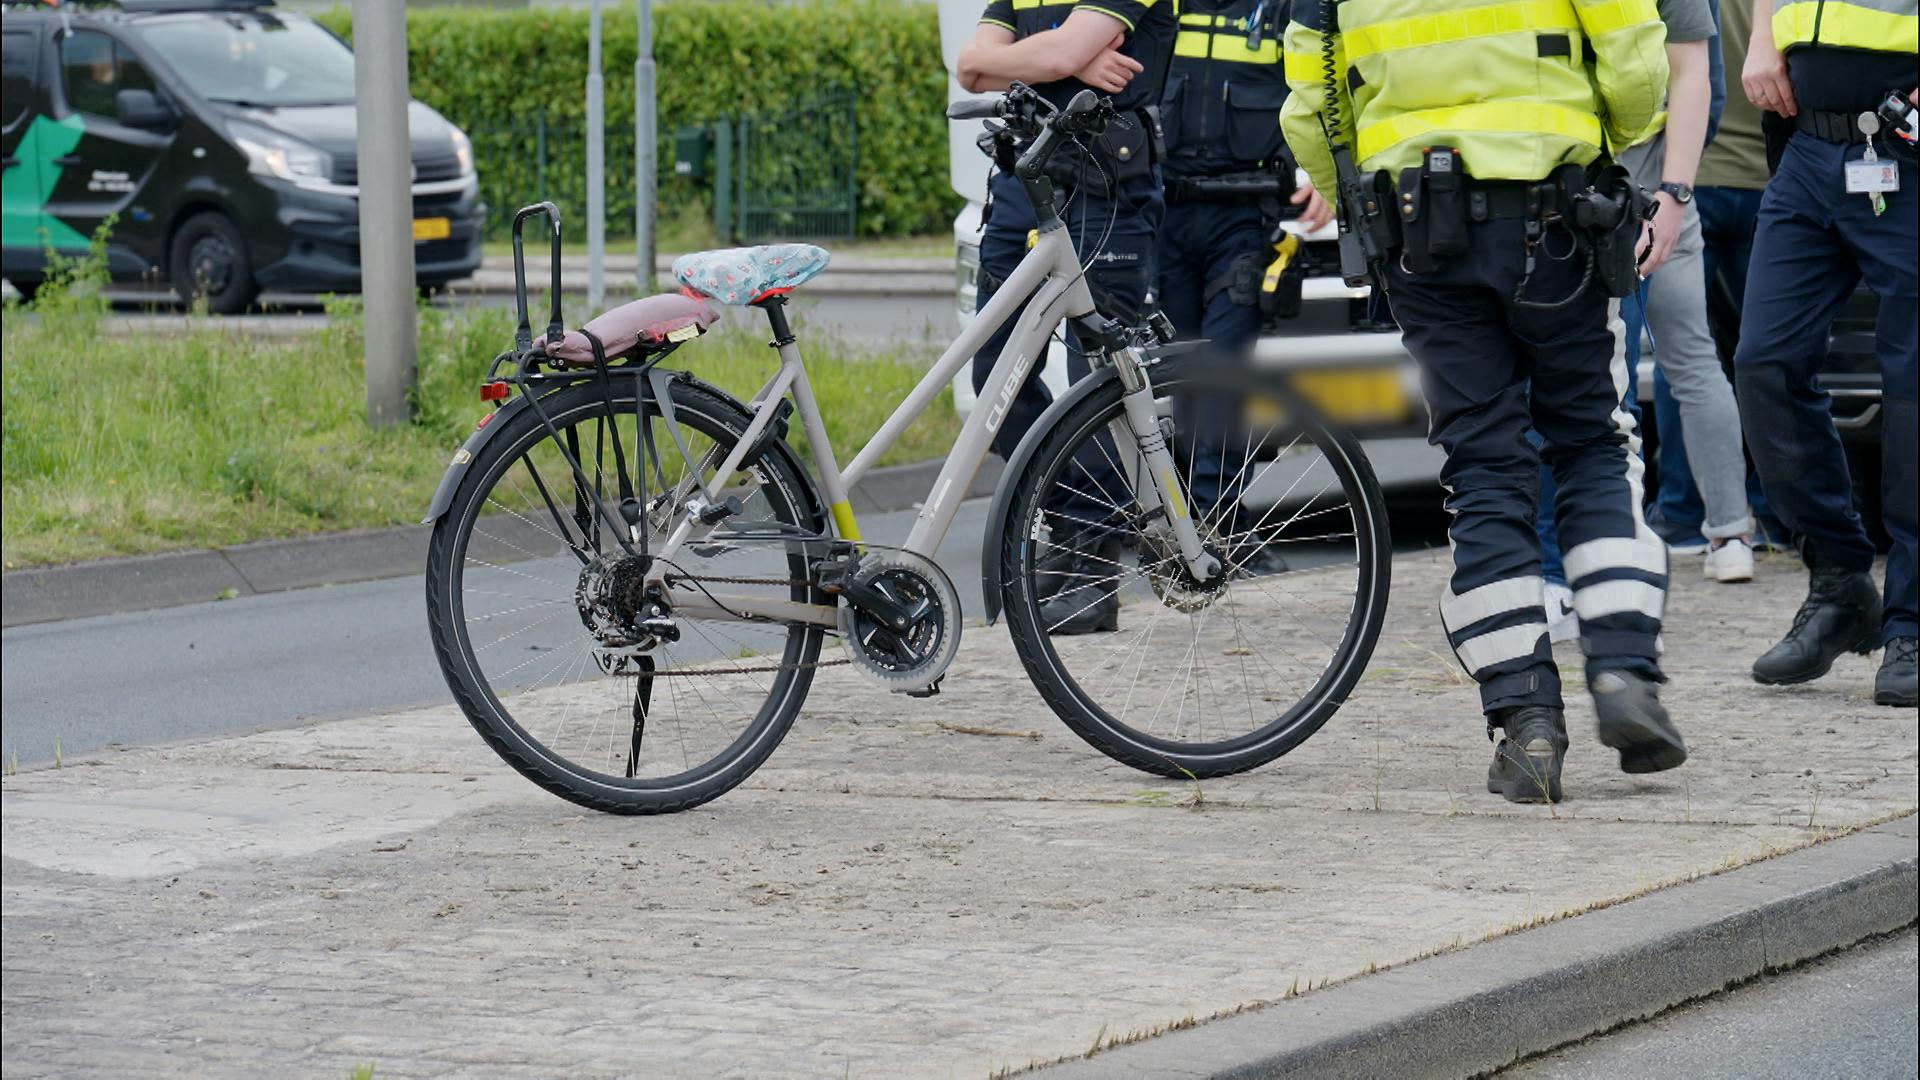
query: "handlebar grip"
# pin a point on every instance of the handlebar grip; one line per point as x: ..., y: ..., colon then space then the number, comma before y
x: 974, y: 109
x: 1084, y: 101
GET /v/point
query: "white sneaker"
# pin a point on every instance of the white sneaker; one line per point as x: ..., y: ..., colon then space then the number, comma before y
x: 1731, y: 561
x: 1562, y: 623
x: 1688, y: 547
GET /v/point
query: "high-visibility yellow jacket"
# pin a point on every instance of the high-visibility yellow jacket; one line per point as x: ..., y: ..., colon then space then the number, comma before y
x: 1874, y: 25
x: 1517, y: 87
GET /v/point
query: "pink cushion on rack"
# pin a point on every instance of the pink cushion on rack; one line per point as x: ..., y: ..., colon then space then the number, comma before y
x: 655, y: 320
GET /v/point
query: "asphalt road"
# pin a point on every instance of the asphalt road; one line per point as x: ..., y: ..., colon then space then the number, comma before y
x: 280, y: 659
x: 1853, y: 1014
x: 271, y: 661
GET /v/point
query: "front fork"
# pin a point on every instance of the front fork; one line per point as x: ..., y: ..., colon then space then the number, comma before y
x: 1152, y: 462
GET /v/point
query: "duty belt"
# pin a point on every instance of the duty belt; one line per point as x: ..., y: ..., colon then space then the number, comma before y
x: 1833, y: 127
x: 1493, y: 200
x: 1499, y: 200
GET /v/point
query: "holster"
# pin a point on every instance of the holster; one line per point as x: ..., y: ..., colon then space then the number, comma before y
x: 1241, y: 282
x: 1433, y: 212
x: 1776, y: 130
x: 1284, y: 300
x: 1608, y: 216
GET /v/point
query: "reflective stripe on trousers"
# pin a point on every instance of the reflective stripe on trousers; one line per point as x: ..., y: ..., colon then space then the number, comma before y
x: 1492, y: 370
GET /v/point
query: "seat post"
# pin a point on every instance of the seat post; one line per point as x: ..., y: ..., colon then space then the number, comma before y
x: 776, y: 309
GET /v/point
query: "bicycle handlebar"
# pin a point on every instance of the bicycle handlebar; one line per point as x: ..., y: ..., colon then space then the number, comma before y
x: 1031, y: 115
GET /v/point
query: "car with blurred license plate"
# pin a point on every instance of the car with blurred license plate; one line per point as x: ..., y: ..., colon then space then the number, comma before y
x: 215, y: 143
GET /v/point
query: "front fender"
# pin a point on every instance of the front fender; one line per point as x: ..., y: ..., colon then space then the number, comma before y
x: 990, y: 583
x: 463, y: 457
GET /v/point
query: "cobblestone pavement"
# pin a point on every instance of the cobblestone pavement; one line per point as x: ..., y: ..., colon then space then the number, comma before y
x: 889, y: 896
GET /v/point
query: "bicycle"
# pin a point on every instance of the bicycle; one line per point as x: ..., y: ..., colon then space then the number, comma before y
x: 639, y: 641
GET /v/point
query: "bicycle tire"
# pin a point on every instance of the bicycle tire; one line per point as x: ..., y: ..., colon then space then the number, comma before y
x: 792, y: 500
x: 1079, y: 709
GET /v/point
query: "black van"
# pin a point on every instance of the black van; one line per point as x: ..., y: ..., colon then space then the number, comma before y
x: 220, y: 137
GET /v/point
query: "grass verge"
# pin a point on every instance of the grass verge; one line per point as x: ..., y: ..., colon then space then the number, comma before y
x: 122, y: 445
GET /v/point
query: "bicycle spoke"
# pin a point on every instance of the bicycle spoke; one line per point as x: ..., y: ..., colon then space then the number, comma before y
x: 559, y: 640
x: 1196, y: 663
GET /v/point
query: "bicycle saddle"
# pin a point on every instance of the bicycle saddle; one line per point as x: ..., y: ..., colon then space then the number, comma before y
x: 749, y: 275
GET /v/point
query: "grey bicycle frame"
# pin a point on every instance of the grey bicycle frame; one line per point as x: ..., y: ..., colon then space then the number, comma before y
x: 1052, y: 277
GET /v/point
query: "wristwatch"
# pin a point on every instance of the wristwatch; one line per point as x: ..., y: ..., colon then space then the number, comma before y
x: 1681, y: 193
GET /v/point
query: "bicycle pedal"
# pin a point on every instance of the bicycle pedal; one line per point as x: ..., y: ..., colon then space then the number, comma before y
x: 715, y: 513
x: 929, y: 691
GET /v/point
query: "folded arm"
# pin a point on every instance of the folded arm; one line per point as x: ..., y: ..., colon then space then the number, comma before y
x: 1087, y: 42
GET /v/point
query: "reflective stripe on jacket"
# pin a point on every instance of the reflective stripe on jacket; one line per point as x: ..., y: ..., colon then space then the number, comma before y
x: 1221, y: 107
x: 1517, y: 87
x: 1874, y: 25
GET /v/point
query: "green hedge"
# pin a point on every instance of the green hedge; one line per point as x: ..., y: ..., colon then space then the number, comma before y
x: 495, y: 72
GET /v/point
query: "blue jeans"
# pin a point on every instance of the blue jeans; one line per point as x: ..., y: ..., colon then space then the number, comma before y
x: 1727, y: 218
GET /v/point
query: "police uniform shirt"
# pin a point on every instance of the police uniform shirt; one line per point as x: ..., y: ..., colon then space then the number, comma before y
x: 1150, y: 30
x: 1842, y: 62
x: 1828, y: 78
x: 1221, y: 107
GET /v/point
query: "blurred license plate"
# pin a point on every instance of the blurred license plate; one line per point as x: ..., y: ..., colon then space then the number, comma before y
x: 1355, y: 397
x: 432, y: 228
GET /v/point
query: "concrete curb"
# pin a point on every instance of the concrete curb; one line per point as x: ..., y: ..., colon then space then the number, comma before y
x: 113, y: 586
x: 1469, y: 1012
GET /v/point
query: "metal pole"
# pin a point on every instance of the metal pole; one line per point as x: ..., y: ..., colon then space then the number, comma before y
x: 386, y: 205
x: 645, y: 141
x: 596, y: 167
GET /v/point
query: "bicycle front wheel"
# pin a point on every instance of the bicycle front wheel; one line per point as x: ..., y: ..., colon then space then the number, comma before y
x: 1171, y: 674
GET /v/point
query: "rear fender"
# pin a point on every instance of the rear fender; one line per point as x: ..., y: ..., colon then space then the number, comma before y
x: 997, y: 514
x: 463, y: 457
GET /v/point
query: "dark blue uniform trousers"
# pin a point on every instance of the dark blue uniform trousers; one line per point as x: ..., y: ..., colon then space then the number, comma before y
x: 1813, y: 244
x: 1199, y: 244
x: 1477, y: 351
x: 1122, y: 266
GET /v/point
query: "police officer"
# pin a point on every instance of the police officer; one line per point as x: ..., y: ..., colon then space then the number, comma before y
x: 1226, y: 172
x: 1472, y: 125
x: 1830, y: 216
x: 1112, y: 191
x: 1226, y: 168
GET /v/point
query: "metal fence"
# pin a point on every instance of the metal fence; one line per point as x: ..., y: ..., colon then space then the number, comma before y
x: 788, y: 174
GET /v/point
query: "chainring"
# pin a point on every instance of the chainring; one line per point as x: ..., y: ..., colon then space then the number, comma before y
x: 912, y: 658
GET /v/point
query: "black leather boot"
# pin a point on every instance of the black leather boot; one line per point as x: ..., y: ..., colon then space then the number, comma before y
x: 1896, y: 684
x: 1526, y: 762
x: 1079, y: 578
x: 1630, y: 719
x: 1841, y: 614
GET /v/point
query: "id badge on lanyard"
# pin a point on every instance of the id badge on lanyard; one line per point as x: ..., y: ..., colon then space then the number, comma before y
x: 1871, y: 176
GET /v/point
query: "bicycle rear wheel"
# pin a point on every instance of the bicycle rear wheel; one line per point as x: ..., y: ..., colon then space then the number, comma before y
x: 1173, y: 675
x: 535, y: 608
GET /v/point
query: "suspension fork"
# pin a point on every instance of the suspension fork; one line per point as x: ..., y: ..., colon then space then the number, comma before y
x: 1161, y: 492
